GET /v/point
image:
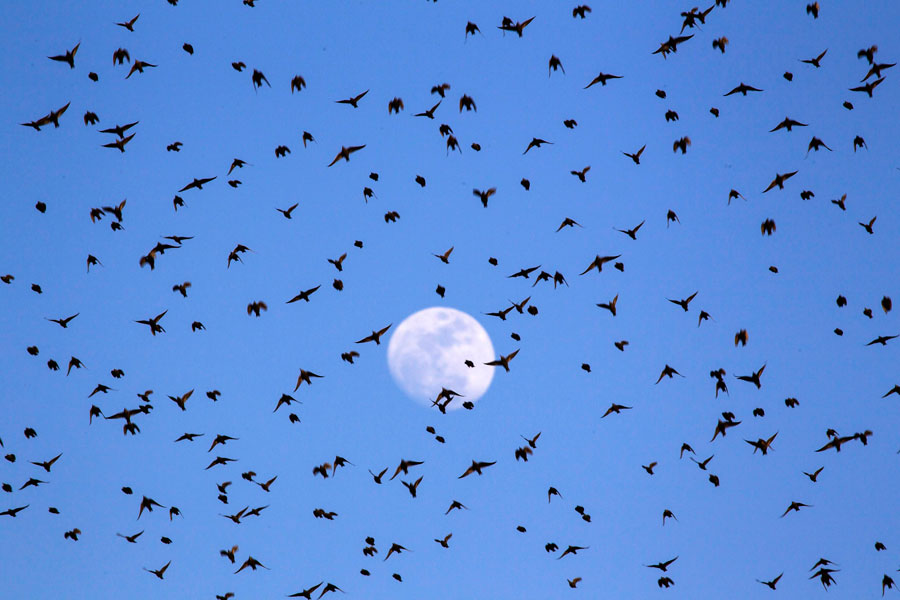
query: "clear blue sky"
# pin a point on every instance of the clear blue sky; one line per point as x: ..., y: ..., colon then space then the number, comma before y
x: 726, y: 537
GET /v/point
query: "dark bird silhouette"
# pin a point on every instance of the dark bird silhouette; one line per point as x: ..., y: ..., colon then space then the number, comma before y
x: 742, y: 89
x: 868, y: 87
x: 663, y: 566
x: 138, y: 66
x: 598, y: 263
x: 484, y: 195
x: 602, y: 78
x: 518, y: 27
x: 636, y: 157
x: 375, y: 336
x: 572, y: 550
x: 476, y: 467
x: 354, y: 101
x: 258, y: 78
x: 64, y: 323
x: 815, y: 61
x: 345, y: 153
x: 503, y: 361
x: 681, y: 144
x: 684, y: 302
x: 581, y: 174
x: 882, y: 339
x: 779, y: 180
x: 580, y: 11
x: 868, y: 226
x: 68, y: 57
x: 430, y: 112
x: 555, y: 64
x: 788, y: 123
x: 129, y: 25
x: 794, y: 506
x: 197, y: 183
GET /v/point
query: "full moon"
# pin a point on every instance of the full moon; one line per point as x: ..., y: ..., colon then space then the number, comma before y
x: 428, y: 352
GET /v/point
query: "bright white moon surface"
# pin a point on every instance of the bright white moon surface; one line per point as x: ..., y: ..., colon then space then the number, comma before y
x: 428, y: 351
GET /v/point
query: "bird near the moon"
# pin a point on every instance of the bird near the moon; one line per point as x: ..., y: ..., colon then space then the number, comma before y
x: 429, y: 350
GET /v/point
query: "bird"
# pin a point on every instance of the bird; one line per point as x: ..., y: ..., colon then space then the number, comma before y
x: 445, y: 257
x: 681, y: 144
x: 683, y: 303
x: 536, y: 143
x: 196, y: 183
x: 611, y: 305
x: 476, y: 467
x: 304, y: 295
x: 555, y: 64
x: 882, y: 339
x: 663, y: 566
x: 868, y: 87
x: 636, y: 157
x: 814, y: 475
x: 580, y: 11
x: 395, y: 549
x: 771, y: 584
x: 375, y: 336
x: 615, y: 408
x: 258, y: 78
x: 602, y: 78
x: 353, y: 101
x: 571, y: 550
x: 598, y: 263
x: 307, y: 593
x: 668, y: 372
x: 255, y: 308
x: 129, y: 25
x: 131, y: 539
x: 252, y: 563
x: 503, y: 361
x: 742, y: 89
x: 286, y: 213
x: 430, y: 112
x: 788, y: 124
x: 794, y: 506
x: 779, y: 180
x: 868, y: 226
x: 484, y: 195
x: 518, y: 27
x: 64, y: 323
x: 153, y: 323
x: 138, y: 66
x: 345, y: 153
x: 159, y: 572
x: 68, y: 57
x: 441, y: 89
x: 815, y: 61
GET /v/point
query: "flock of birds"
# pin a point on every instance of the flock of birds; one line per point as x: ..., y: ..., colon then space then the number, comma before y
x: 23, y: 503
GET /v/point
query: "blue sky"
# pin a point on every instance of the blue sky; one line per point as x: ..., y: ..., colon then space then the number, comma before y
x: 726, y: 537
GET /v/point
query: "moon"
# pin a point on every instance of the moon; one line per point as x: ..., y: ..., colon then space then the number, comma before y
x: 428, y: 351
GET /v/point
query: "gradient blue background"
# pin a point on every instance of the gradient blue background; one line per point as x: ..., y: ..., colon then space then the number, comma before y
x: 726, y: 537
